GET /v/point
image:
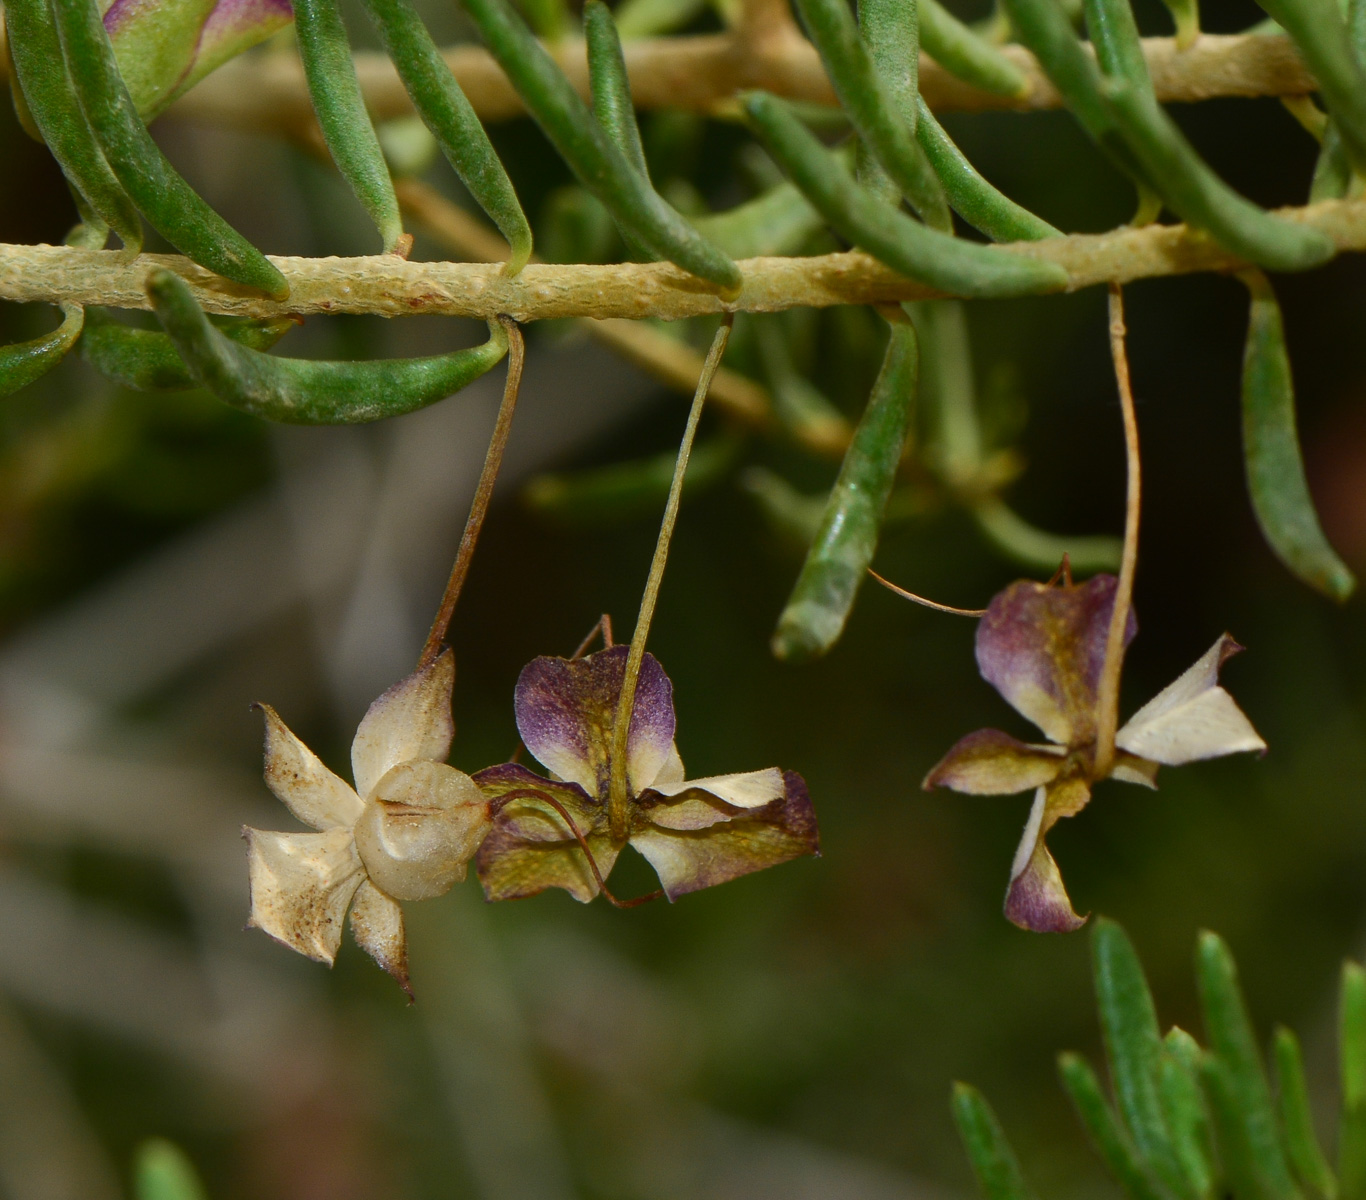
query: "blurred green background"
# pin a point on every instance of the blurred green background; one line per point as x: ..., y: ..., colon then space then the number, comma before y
x: 165, y: 561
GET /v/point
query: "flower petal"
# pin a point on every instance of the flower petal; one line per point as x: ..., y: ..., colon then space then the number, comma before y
x: 1036, y: 899
x: 1193, y: 718
x: 566, y: 708
x: 377, y: 926
x: 1129, y: 768
x: 423, y: 823
x: 529, y: 848
x: 301, y: 886
x: 297, y: 776
x: 1043, y: 647
x: 992, y: 763
x: 689, y: 860
x: 746, y: 789
x: 412, y: 720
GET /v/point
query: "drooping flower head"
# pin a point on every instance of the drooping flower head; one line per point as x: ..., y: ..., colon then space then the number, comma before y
x: 405, y: 832
x: 1042, y: 646
x: 694, y: 833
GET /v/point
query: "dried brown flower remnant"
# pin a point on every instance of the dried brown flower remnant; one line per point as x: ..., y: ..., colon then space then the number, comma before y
x: 405, y: 832
x: 1043, y: 648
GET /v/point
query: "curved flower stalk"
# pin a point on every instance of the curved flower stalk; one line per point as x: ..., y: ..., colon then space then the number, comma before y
x: 695, y: 833
x: 405, y: 831
x: 1043, y: 647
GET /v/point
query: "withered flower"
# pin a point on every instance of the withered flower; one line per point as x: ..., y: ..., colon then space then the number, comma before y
x: 1043, y: 648
x: 405, y: 832
x: 694, y: 833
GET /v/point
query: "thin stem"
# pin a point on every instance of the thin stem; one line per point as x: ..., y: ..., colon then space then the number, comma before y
x: 479, y: 507
x: 934, y: 604
x: 618, y: 797
x: 1107, y: 694
x: 604, y: 627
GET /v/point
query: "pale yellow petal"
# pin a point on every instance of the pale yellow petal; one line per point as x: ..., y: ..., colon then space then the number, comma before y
x: 297, y: 776
x: 748, y: 789
x: 301, y: 886
x: 377, y: 926
x: 412, y: 720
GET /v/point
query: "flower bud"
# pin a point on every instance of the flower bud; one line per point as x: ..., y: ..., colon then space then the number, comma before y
x: 421, y: 825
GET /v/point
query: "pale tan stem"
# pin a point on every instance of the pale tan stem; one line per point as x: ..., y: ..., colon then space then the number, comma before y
x: 483, y: 493
x: 1107, y: 694
x: 266, y: 92
x: 665, y: 358
x: 618, y: 795
x: 388, y: 286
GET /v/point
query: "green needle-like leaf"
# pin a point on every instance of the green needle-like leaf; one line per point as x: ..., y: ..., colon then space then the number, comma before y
x: 1183, y: 1105
x: 966, y: 54
x: 1271, y: 448
x: 342, y: 116
x: 1111, y: 1142
x: 298, y: 392
x: 163, y: 1171
x: 779, y: 221
x: 993, y: 1161
x: 1297, y: 1120
x: 934, y: 258
x: 610, y: 85
x: 162, y: 196
x: 1352, y: 1068
x: 1114, y: 35
x: 890, y: 31
x: 24, y: 362
x: 1133, y: 1046
x: 873, y: 109
x: 1236, y: 1082
x: 599, y: 165
x: 838, y: 559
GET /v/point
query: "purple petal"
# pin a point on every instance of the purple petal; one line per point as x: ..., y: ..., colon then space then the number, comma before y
x: 1043, y: 648
x: 991, y: 763
x: 565, y: 710
x: 689, y: 860
x: 1037, y: 899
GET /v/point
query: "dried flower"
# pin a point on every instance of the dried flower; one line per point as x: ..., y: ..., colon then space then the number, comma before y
x: 406, y: 831
x: 695, y: 833
x: 1043, y: 648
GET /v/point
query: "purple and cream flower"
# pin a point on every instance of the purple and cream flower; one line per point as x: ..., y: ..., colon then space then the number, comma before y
x: 405, y: 832
x: 165, y: 47
x: 1043, y: 648
x: 694, y: 833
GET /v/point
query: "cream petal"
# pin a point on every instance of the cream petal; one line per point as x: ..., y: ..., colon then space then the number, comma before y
x: 672, y: 770
x: 1193, y: 718
x: 297, y: 776
x: 377, y: 926
x: 412, y: 720
x: 301, y: 886
x: 989, y: 762
x: 748, y: 789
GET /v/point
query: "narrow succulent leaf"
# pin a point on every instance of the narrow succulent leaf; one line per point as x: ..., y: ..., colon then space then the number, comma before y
x: 1114, y: 35
x: 961, y: 51
x: 1297, y: 1120
x: 1186, y: 15
x: 873, y: 108
x: 650, y: 18
x: 797, y: 403
x: 1333, y: 171
x: 146, y: 360
x: 1352, y: 1070
x: 1322, y: 37
x: 1109, y: 1139
x: 21, y: 363
x: 610, y: 85
x: 1195, y: 193
x: 447, y: 112
x: 993, y: 1160
x: 974, y: 199
x: 792, y: 516
x: 1133, y: 1047
x: 631, y: 489
x: 1236, y: 1078
x: 1183, y: 1105
x: 340, y: 107
x: 778, y: 222
x: 838, y: 559
x: 41, y: 74
x: 890, y: 30
x: 600, y: 166
x: 943, y: 262
x: 1271, y: 448
x: 164, y: 198
x: 299, y: 392
x: 1249, y: 1170
x: 1040, y: 550
x: 163, y: 1171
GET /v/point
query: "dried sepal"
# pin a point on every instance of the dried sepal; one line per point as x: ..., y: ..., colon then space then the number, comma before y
x: 377, y: 926
x: 302, y: 783
x: 411, y: 721
x: 301, y: 886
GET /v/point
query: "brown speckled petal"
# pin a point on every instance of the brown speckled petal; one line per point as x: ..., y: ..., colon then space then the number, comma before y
x: 297, y: 776
x: 377, y: 926
x: 301, y: 887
